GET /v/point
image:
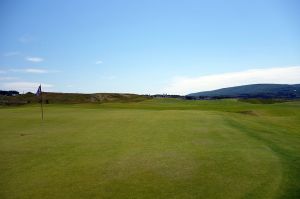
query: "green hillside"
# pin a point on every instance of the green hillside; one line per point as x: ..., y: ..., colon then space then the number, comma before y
x: 254, y: 91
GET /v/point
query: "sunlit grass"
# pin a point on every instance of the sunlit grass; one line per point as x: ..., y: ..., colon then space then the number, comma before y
x: 157, y: 148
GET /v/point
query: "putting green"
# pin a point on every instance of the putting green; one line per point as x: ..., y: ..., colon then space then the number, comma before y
x: 161, y: 148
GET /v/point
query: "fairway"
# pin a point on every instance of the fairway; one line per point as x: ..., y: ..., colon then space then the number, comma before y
x: 158, y: 148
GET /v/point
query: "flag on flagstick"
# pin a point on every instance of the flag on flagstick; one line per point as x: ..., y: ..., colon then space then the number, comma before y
x: 39, y: 93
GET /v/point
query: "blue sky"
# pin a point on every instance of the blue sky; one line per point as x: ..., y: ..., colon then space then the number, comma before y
x: 147, y: 46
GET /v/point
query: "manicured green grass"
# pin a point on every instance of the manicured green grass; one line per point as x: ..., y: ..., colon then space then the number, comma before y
x: 161, y: 148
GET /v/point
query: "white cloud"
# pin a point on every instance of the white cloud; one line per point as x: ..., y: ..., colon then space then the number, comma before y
x: 9, y: 54
x: 34, y: 59
x: 99, y: 62
x: 24, y: 86
x: 34, y: 70
x: 2, y: 71
x: 7, y: 78
x: 31, y: 70
x: 279, y: 75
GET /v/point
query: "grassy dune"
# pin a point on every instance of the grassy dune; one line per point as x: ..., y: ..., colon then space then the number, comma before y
x: 160, y: 148
x: 70, y: 98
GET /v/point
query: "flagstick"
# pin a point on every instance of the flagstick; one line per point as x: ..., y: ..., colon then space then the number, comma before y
x: 42, y: 109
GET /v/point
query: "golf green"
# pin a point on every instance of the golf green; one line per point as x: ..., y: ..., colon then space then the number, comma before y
x: 160, y: 148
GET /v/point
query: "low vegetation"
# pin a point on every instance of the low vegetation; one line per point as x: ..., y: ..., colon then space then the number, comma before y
x: 70, y: 98
x: 263, y: 101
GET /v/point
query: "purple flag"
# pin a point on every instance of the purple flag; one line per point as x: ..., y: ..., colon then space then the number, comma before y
x: 39, y: 91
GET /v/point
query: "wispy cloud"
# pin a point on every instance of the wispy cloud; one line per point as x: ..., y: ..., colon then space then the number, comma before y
x: 8, y: 78
x: 10, y: 54
x: 24, y: 86
x: 280, y: 75
x: 99, y: 62
x: 31, y: 70
x: 34, y: 59
x: 2, y: 71
x: 26, y: 39
x: 34, y: 70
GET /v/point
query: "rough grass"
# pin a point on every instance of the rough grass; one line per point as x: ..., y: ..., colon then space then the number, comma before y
x: 263, y: 101
x: 70, y: 98
x: 161, y: 148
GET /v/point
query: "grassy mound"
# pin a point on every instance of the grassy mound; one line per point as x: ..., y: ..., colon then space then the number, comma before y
x: 70, y: 98
x: 263, y: 101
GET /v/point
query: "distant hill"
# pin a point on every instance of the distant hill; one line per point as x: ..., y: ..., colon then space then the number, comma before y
x: 70, y: 98
x: 284, y: 91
